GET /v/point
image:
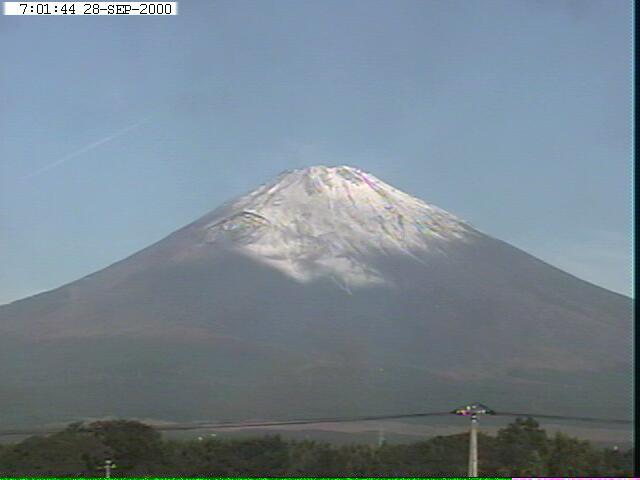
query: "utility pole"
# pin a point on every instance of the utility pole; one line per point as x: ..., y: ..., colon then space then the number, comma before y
x: 473, y: 447
x: 108, y: 465
x: 473, y: 411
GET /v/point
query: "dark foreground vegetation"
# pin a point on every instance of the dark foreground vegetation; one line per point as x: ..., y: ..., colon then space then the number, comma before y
x: 520, y: 449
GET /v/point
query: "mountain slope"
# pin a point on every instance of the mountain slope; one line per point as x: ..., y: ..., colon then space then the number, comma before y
x: 326, y: 291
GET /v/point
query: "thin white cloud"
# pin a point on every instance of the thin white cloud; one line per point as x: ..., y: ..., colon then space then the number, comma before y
x: 86, y: 148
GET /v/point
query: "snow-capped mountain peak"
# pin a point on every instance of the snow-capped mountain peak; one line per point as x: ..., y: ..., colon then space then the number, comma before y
x: 326, y: 220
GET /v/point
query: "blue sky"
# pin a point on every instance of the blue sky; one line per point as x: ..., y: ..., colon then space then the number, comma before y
x: 514, y: 115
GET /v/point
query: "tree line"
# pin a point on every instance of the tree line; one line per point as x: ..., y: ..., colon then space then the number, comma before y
x: 520, y: 449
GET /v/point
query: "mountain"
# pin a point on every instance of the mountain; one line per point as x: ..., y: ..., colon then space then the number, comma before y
x: 324, y: 292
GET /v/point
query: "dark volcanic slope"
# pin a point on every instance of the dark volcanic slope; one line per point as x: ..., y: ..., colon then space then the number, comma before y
x: 206, y: 325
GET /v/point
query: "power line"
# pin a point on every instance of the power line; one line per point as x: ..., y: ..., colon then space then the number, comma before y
x: 305, y: 421
x: 230, y: 424
x: 310, y: 421
x: 562, y: 417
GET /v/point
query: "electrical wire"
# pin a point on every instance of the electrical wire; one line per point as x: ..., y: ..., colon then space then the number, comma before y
x: 310, y: 421
x: 562, y: 417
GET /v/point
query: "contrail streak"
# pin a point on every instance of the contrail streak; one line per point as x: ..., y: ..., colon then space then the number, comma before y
x: 86, y: 148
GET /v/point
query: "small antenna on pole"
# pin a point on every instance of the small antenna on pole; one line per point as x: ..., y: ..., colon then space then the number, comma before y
x: 108, y: 466
x: 473, y: 411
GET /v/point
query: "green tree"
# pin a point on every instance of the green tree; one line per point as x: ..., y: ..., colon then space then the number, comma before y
x: 570, y: 457
x: 310, y: 458
x: 62, y: 454
x: 523, y: 448
x: 134, y: 447
x: 213, y: 457
x: 616, y: 463
x: 361, y: 460
x: 520, y: 449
